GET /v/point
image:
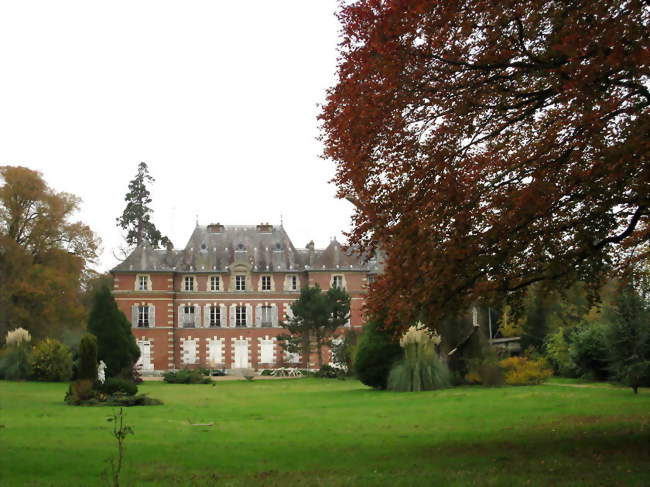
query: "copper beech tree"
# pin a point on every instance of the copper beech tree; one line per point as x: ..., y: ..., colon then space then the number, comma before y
x: 490, y: 145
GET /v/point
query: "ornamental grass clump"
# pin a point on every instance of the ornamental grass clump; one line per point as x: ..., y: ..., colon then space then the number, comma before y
x: 15, y: 359
x: 420, y: 369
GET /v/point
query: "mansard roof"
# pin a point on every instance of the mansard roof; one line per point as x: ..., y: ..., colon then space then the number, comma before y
x: 261, y: 248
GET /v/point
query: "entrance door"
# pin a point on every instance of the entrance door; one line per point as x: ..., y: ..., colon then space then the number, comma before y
x: 241, y: 354
x: 145, y: 355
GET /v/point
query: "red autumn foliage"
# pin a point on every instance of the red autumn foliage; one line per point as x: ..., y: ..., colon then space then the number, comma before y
x: 489, y: 145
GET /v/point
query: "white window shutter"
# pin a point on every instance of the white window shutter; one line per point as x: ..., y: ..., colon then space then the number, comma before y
x: 134, y: 315
x: 249, y: 315
x: 197, y: 316
x: 274, y: 315
x: 152, y: 315
x: 258, y: 315
x: 232, y: 316
x: 180, y: 316
x: 206, y: 315
x: 222, y: 315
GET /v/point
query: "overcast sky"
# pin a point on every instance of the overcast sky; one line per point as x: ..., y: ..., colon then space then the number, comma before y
x: 219, y: 98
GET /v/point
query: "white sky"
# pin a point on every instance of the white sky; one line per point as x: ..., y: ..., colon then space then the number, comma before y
x: 217, y: 97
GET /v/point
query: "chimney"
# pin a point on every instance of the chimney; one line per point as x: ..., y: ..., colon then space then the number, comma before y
x: 265, y: 228
x: 215, y: 228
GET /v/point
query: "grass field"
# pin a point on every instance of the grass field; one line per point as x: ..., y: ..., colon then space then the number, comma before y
x: 312, y: 432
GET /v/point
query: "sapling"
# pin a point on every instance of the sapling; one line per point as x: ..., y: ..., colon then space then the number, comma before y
x: 120, y: 432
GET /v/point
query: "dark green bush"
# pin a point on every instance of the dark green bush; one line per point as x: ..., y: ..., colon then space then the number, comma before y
x: 51, y: 361
x: 590, y: 351
x: 186, y: 376
x: 328, y: 372
x: 375, y: 354
x: 266, y: 372
x: 115, y: 384
x: 127, y: 401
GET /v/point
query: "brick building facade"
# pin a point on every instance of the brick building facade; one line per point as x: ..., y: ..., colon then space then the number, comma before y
x: 219, y: 301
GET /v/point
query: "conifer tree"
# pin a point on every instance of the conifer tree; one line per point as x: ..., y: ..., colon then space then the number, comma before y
x: 116, y: 345
x: 316, y: 317
x: 88, y: 358
x: 630, y: 339
x: 136, y: 218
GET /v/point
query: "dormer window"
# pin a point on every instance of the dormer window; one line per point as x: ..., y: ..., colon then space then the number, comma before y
x: 188, y: 283
x: 143, y: 283
x: 240, y: 283
x: 215, y: 284
x: 266, y: 283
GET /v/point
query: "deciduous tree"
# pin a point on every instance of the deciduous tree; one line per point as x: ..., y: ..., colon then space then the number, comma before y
x: 491, y: 145
x: 42, y: 255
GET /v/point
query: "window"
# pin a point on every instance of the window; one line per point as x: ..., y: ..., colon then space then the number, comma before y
x: 266, y: 283
x: 267, y: 317
x: 143, y: 283
x: 240, y: 283
x: 189, y: 283
x: 240, y: 316
x: 214, y: 283
x: 372, y: 278
x: 215, y: 316
x: 188, y: 316
x: 337, y: 281
x: 293, y: 283
x: 143, y: 316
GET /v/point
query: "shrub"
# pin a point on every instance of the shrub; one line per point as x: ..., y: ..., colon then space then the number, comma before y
x: 267, y: 372
x: 521, y: 371
x: 51, y: 361
x: 328, y: 372
x: 589, y: 351
x: 420, y: 369
x: 343, y: 350
x: 127, y: 401
x: 485, y: 370
x: 115, y: 384
x: 80, y: 391
x: 186, y: 376
x: 558, y: 352
x: 88, y: 358
x: 375, y: 354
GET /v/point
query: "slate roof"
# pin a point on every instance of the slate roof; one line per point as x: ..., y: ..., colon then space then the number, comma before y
x: 265, y: 248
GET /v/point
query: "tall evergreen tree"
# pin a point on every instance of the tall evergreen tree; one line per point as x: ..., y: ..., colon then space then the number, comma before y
x: 116, y: 344
x: 136, y: 218
x: 316, y: 317
x: 629, y: 338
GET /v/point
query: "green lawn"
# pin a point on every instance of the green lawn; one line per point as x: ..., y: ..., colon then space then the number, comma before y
x: 333, y: 433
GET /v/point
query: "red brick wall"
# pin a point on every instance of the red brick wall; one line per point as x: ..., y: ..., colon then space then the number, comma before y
x: 167, y: 300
